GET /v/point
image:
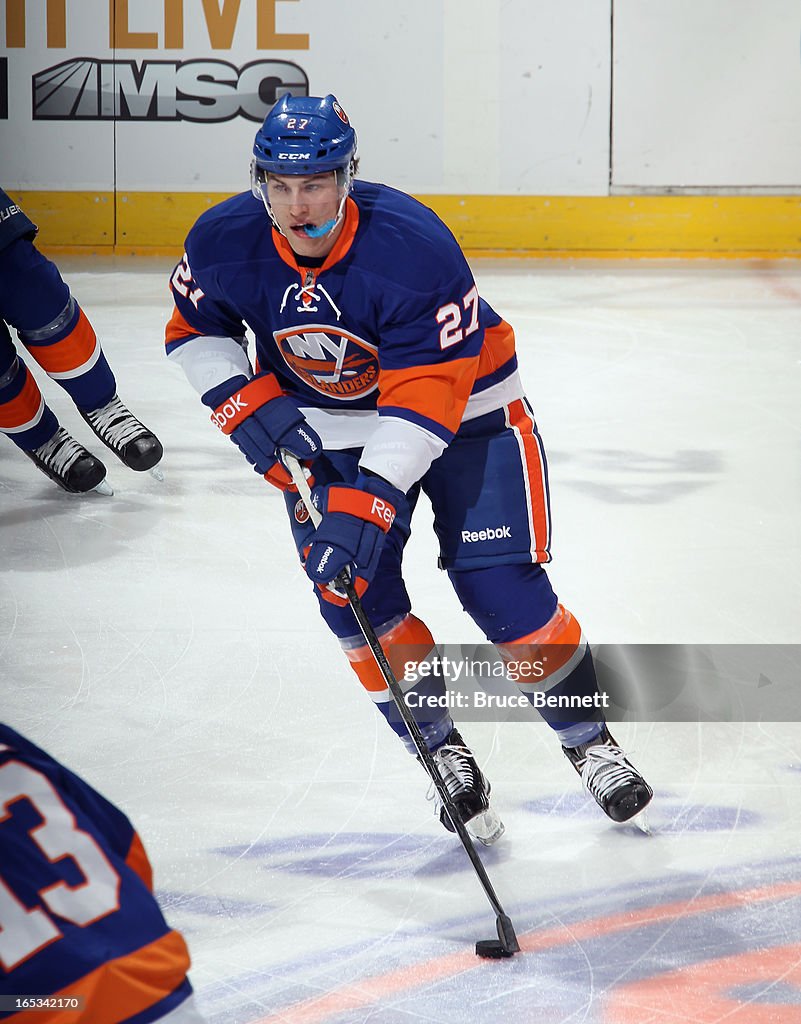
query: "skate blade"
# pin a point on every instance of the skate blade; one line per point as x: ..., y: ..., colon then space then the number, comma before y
x: 157, y: 474
x: 640, y: 821
x: 487, y: 828
x: 104, y: 487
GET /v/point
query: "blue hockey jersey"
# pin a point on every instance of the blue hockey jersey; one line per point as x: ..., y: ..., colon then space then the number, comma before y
x: 391, y: 322
x: 77, y: 914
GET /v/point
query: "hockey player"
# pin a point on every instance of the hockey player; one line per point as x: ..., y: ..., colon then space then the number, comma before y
x: 78, y: 919
x: 374, y: 346
x: 55, y: 331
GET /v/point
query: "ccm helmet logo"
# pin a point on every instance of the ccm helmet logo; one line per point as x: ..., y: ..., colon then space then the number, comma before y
x: 294, y: 156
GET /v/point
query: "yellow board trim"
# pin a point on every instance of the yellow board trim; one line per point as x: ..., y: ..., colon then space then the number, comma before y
x: 714, y: 225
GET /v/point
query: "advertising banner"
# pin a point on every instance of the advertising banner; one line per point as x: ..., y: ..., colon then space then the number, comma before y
x: 448, y: 96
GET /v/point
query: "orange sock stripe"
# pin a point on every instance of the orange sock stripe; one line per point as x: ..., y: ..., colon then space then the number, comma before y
x: 534, y: 468
x: 25, y: 410
x: 123, y: 987
x: 409, y: 631
x: 554, y: 644
x: 73, y: 354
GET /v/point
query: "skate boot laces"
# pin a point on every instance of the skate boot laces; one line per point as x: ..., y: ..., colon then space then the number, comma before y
x: 604, y: 769
x: 458, y: 770
x: 60, y: 452
x: 115, y: 424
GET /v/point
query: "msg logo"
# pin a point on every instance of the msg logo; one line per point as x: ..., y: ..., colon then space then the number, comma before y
x: 163, y: 90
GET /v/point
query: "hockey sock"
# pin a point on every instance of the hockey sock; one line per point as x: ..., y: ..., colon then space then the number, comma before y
x: 406, y: 641
x: 24, y: 416
x: 68, y: 350
x: 553, y: 666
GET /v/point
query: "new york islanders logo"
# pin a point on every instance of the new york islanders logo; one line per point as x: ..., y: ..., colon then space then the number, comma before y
x: 333, y: 362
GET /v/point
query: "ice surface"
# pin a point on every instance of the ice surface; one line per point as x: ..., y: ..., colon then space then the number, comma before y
x: 164, y: 643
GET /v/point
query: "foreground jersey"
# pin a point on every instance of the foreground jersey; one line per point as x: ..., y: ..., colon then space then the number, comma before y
x: 13, y: 222
x: 77, y: 915
x: 392, y: 321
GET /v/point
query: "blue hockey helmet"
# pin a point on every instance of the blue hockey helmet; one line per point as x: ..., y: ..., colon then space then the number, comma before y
x: 305, y: 135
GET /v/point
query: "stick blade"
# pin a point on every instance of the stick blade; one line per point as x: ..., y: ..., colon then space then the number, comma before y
x: 504, y: 946
x: 506, y: 934
x: 492, y: 949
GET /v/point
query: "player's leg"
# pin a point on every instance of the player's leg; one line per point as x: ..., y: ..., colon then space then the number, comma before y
x: 31, y: 424
x: 494, y: 531
x: 57, y: 333
x: 406, y: 641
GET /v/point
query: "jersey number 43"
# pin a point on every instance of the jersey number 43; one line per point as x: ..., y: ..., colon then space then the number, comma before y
x: 25, y: 931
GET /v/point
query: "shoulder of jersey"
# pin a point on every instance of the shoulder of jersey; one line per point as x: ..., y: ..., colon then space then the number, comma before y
x: 229, y: 232
x: 399, y: 231
x: 12, y: 745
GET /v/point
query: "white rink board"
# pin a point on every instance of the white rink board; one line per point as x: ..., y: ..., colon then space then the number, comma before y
x: 472, y: 96
x: 707, y: 94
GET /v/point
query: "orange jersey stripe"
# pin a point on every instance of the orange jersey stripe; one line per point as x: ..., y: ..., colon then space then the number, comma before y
x: 439, y: 392
x: 123, y: 987
x: 177, y: 328
x: 498, y: 348
x: 19, y: 413
x: 138, y: 862
x: 409, y: 631
x: 71, y: 352
x: 534, y: 468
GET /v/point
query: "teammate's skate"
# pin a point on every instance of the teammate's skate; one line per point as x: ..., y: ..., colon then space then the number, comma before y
x: 469, y: 790
x: 69, y: 464
x: 121, y: 431
x: 616, y: 785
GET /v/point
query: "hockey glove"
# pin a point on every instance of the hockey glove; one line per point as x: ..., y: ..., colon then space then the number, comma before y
x: 259, y: 418
x: 356, y: 520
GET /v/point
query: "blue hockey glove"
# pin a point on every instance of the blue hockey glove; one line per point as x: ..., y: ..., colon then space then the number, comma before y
x: 259, y: 418
x: 356, y: 520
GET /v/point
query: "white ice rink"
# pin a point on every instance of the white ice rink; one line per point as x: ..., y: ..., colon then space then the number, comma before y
x: 165, y: 644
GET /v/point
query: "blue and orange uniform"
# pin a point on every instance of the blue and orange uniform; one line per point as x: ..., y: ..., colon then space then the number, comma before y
x: 35, y: 300
x: 77, y: 913
x: 404, y: 370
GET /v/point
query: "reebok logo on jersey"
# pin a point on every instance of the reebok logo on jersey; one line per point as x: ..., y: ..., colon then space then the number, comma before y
x: 383, y: 513
x: 324, y: 560
x: 227, y: 412
x: 491, y: 533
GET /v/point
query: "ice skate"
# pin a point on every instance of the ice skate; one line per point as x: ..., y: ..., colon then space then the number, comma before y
x: 70, y: 465
x: 617, y: 787
x: 121, y: 431
x: 469, y: 790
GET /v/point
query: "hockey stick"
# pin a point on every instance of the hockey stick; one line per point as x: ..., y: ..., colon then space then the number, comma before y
x: 506, y: 944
